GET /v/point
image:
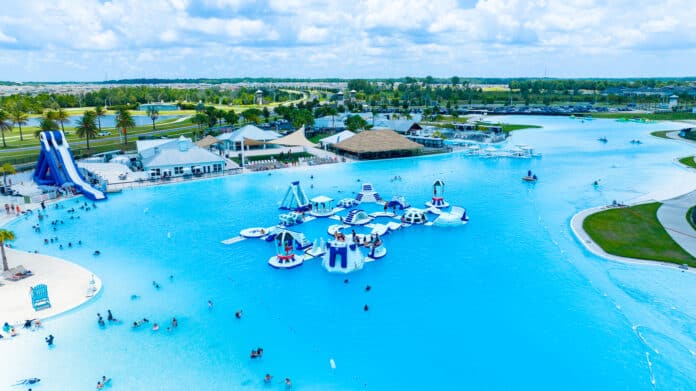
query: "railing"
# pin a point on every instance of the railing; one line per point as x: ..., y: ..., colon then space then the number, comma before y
x: 115, y: 187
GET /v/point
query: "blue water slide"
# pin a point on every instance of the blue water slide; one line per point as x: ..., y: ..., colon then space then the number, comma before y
x: 56, y: 166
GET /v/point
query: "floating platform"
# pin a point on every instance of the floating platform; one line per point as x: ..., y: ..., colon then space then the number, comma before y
x: 233, y: 240
x: 254, y: 232
x: 286, y: 261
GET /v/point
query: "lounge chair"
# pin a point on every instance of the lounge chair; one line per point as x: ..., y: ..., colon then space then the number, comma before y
x: 16, y: 273
x: 39, y: 297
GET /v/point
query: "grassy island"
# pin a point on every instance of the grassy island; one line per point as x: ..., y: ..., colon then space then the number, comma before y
x: 635, y: 232
x: 688, y: 161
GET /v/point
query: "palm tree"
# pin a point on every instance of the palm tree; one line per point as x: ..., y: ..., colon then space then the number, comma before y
x: 5, y: 236
x: 62, y: 116
x: 124, y: 121
x: 5, y: 169
x: 87, y: 126
x: 100, y: 111
x: 5, y: 126
x: 201, y: 119
x: 153, y: 113
x: 19, y: 117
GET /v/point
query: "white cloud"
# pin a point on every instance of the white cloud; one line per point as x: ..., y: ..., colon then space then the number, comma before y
x: 6, y: 38
x: 311, y: 34
x: 393, y: 37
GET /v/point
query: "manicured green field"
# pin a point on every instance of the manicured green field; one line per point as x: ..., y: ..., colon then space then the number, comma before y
x: 635, y: 232
x: 688, y: 161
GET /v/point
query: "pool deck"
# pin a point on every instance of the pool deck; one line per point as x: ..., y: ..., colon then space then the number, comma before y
x: 67, y: 287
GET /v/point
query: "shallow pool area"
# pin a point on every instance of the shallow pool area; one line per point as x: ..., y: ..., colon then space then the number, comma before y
x: 509, y: 301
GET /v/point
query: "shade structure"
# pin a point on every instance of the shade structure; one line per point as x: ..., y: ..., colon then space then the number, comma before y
x: 207, y: 141
x: 294, y: 139
x: 372, y: 144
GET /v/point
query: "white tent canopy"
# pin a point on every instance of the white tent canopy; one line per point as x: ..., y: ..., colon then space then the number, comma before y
x: 294, y: 139
x: 336, y: 138
x: 249, y: 132
x: 320, y: 199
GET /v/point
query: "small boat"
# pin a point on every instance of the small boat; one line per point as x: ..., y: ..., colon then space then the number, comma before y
x: 602, y: 139
x: 530, y: 177
x: 636, y: 142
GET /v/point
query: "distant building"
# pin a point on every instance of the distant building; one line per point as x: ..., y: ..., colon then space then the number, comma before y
x: 259, y: 97
x: 165, y: 158
x: 336, y: 138
x: 339, y: 97
x: 673, y: 101
x: 158, y: 106
x: 403, y: 126
x: 352, y: 95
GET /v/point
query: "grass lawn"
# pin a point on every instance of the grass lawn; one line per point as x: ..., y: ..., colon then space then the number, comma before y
x: 689, y: 214
x: 688, y: 161
x: 635, y: 232
x: 661, y: 134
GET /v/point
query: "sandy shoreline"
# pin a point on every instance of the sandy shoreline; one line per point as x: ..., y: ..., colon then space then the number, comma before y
x: 67, y: 284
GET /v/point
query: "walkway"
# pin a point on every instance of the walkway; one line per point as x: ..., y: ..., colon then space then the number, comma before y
x: 672, y: 216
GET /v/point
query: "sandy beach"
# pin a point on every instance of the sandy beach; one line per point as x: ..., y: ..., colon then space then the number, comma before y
x: 67, y: 285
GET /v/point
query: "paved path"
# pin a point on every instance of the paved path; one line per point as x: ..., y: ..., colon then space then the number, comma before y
x: 672, y: 216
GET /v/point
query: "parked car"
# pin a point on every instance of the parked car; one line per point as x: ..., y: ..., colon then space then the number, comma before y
x: 104, y: 134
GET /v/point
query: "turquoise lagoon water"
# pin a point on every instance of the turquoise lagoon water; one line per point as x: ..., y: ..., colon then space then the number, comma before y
x: 509, y: 301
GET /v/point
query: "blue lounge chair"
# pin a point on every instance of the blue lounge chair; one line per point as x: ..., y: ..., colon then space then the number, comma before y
x: 39, y: 297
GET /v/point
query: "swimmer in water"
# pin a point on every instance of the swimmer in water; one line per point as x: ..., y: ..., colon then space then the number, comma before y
x: 238, y: 314
x: 267, y: 379
x: 49, y: 340
x: 288, y: 383
x: 366, y: 308
x: 368, y: 288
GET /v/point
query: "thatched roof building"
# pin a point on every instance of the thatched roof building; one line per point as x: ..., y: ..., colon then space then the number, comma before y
x: 378, y: 144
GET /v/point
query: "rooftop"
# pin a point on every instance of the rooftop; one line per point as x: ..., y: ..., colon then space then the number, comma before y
x: 381, y: 140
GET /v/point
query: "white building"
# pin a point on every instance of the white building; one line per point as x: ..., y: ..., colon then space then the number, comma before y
x: 336, y: 138
x: 165, y: 158
x: 673, y: 101
x: 233, y: 140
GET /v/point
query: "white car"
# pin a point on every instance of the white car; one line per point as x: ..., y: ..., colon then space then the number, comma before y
x: 104, y: 134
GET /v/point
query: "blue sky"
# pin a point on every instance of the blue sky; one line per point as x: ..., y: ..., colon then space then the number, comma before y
x: 88, y: 40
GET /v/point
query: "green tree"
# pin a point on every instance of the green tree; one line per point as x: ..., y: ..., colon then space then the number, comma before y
x: 355, y: 122
x: 231, y: 117
x: 299, y: 117
x: 266, y: 114
x: 100, y: 111
x: 7, y: 169
x: 153, y: 113
x: 124, y: 121
x: 5, y: 125
x: 5, y: 236
x: 200, y: 119
x: 87, y: 126
x: 18, y: 117
x: 252, y: 115
x: 455, y: 80
x: 62, y: 116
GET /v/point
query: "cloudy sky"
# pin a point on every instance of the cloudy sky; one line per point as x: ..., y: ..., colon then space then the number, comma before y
x: 94, y: 39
